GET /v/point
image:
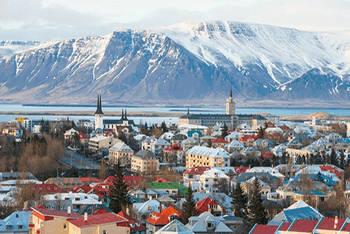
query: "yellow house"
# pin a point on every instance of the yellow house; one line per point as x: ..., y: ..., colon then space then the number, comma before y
x: 50, y: 221
x: 207, y: 157
x: 144, y: 161
x: 120, y: 152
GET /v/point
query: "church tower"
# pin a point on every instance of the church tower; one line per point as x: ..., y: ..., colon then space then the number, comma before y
x: 230, y: 105
x: 99, y: 114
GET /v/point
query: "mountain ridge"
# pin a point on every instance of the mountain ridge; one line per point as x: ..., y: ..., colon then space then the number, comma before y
x: 190, y: 62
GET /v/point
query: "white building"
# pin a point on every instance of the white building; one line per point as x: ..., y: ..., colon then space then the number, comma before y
x: 210, y: 179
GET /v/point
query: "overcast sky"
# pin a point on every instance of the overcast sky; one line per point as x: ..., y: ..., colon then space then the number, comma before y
x: 63, y: 19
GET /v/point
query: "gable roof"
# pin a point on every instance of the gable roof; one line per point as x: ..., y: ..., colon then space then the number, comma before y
x: 46, y: 212
x: 133, y: 223
x: 174, y: 226
x: 203, y: 205
x: 210, y: 152
x: 162, y: 218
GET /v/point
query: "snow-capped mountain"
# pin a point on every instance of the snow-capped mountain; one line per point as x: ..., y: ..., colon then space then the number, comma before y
x: 192, y: 62
x: 8, y: 48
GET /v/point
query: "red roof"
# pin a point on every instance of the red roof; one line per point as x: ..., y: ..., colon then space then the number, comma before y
x: 245, y: 138
x: 331, y: 170
x: 303, y: 226
x: 328, y: 224
x: 82, y: 189
x: 46, y: 188
x: 46, y: 212
x: 133, y: 223
x: 264, y: 229
x: 98, y: 219
x: 162, y: 218
x: 240, y: 170
x: 89, y: 180
x: 81, y: 136
x: 285, y: 226
x: 203, y: 205
x: 219, y: 140
x: 173, y: 147
x: 196, y: 170
x: 346, y: 228
x: 267, y: 154
x: 107, y: 133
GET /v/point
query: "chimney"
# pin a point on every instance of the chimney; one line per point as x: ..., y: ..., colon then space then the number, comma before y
x: 69, y: 210
x: 85, y: 216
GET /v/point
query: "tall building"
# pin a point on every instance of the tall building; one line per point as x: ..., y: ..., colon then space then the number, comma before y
x: 99, y: 114
x: 230, y: 105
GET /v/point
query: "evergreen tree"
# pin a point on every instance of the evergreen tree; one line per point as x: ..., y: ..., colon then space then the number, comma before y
x: 119, y: 198
x: 334, y: 160
x: 261, y: 133
x: 342, y: 160
x: 284, y: 158
x: 189, y: 209
x: 240, y: 202
x: 224, y: 131
x: 164, y: 127
x: 256, y: 210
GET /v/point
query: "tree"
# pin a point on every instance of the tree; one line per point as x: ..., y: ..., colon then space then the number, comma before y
x: 189, y: 207
x: 342, y: 160
x: 261, y: 133
x: 256, y: 210
x: 224, y: 131
x: 240, y: 202
x: 333, y: 158
x: 284, y: 158
x: 164, y: 127
x: 119, y: 198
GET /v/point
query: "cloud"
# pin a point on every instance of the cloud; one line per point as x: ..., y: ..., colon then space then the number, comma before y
x: 61, y: 19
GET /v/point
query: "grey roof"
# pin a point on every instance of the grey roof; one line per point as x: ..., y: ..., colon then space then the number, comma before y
x: 145, y: 154
x: 230, y: 217
x: 166, y: 198
x: 117, y: 121
x: 248, y: 175
x: 197, y: 224
x: 174, y: 226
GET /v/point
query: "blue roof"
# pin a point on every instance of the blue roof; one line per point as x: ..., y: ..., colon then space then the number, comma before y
x: 17, y: 221
x: 311, y: 192
x: 191, y: 132
x: 289, y: 215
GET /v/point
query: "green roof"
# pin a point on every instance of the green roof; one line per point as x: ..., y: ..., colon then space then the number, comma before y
x: 168, y: 185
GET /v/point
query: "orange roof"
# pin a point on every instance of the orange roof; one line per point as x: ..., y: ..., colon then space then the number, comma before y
x: 162, y: 218
x: 264, y: 229
x: 84, y: 189
x: 89, y: 180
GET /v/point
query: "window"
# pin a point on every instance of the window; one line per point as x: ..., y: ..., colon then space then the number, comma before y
x: 64, y: 226
x: 104, y: 232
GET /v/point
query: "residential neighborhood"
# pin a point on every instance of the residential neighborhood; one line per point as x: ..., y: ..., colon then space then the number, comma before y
x: 212, y: 174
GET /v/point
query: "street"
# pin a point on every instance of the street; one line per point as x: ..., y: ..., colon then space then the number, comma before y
x: 79, y: 161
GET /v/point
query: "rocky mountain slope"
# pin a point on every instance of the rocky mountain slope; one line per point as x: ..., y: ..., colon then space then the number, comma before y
x: 188, y: 63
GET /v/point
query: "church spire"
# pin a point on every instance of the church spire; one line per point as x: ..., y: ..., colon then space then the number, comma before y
x: 99, y: 106
x: 231, y: 92
x: 122, y: 114
x: 126, y: 116
x: 188, y: 111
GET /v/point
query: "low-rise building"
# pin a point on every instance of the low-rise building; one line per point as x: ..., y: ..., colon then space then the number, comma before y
x: 120, y: 152
x: 144, y: 162
x: 204, y: 156
x: 101, y: 143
